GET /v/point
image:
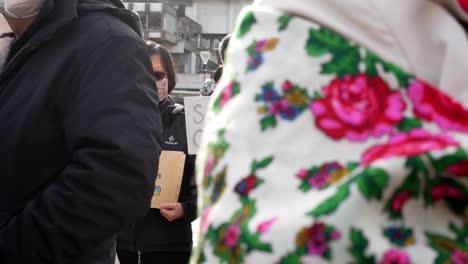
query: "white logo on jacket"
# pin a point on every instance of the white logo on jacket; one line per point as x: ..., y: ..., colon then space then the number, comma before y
x: 171, y: 141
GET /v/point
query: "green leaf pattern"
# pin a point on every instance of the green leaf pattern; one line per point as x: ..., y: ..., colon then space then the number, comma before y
x: 245, y: 24
x: 346, y: 57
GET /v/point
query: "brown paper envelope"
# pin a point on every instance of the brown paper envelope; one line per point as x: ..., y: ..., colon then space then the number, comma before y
x: 169, y: 180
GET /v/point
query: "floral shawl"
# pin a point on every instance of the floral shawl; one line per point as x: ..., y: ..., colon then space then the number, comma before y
x: 318, y: 150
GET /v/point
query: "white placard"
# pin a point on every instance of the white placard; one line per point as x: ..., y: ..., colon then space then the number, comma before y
x: 195, y: 117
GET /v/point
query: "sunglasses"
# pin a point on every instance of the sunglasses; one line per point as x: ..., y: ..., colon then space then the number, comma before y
x: 160, y: 75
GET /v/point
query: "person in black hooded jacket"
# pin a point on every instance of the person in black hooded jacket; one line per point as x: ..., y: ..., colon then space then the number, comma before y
x: 79, y: 132
x: 165, y: 236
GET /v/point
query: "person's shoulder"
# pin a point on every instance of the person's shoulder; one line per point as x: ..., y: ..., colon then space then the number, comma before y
x: 96, y: 28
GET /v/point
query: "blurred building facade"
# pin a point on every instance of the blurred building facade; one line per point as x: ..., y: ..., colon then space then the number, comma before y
x: 187, y: 27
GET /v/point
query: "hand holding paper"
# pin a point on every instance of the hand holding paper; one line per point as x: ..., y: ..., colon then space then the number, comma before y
x: 172, y: 211
x: 169, y: 181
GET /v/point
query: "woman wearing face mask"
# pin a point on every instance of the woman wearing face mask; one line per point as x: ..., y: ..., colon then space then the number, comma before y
x: 21, y: 15
x: 165, y: 236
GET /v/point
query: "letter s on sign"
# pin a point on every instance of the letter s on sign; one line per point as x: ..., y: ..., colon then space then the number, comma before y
x: 201, y: 117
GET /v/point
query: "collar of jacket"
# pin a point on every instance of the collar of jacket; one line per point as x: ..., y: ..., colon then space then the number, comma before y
x: 166, y: 105
x: 54, y: 15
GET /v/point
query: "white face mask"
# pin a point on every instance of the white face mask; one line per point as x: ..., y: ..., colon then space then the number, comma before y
x: 163, y: 88
x: 20, y: 8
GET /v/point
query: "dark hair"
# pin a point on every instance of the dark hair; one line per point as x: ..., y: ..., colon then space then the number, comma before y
x: 167, y: 62
x: 217, y: 74
x: 223, y: 46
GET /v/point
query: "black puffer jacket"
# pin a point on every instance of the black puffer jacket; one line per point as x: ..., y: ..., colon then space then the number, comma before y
x: 79, y: 134
x: 154, y: 232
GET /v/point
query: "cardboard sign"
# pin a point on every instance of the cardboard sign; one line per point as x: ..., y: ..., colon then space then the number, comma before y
x: 169, y: 180
x: 195, y: 116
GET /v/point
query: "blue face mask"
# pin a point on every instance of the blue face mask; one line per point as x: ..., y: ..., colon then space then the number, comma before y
x: 20, y: 8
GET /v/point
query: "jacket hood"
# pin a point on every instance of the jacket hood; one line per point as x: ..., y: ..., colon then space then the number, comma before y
x: 114, y: 7
x: 56, y: 14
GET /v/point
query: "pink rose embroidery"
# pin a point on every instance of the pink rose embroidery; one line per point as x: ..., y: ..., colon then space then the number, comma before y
x: 357, y: 108
x: 260, y: 45
x: 232, y: 236
x: 438, y: 192
x: 399, y: 201
x: 287, y: 86
x: 410, y: 144
x: 205, y: 220
x: 334, y: 235
x: 460, y: 257
x: 433, y: 105
x: 458, y: 169
x: 317, y: 247
x: 227, y: 93
x: 444, y: 190
x: 302, y: 174
x: 265, y: 226
x: 317, y: 244
x: 231, y: 90
x: 279, y: 107
x: 319, y: 181
x: 210, y: 162
x: 394, y: 256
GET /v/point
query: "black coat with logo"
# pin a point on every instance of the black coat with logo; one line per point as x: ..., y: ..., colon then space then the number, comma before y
x: 154, y: 232
x: 79, y: 134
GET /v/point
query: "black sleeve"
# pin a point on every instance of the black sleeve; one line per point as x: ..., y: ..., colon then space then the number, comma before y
x: 190, y: 204
x: 112, y: 129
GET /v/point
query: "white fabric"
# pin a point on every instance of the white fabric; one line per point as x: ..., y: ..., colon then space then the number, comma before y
x: 420, y: 36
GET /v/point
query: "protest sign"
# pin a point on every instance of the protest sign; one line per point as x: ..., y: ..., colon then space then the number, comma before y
x: 195, y: 117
